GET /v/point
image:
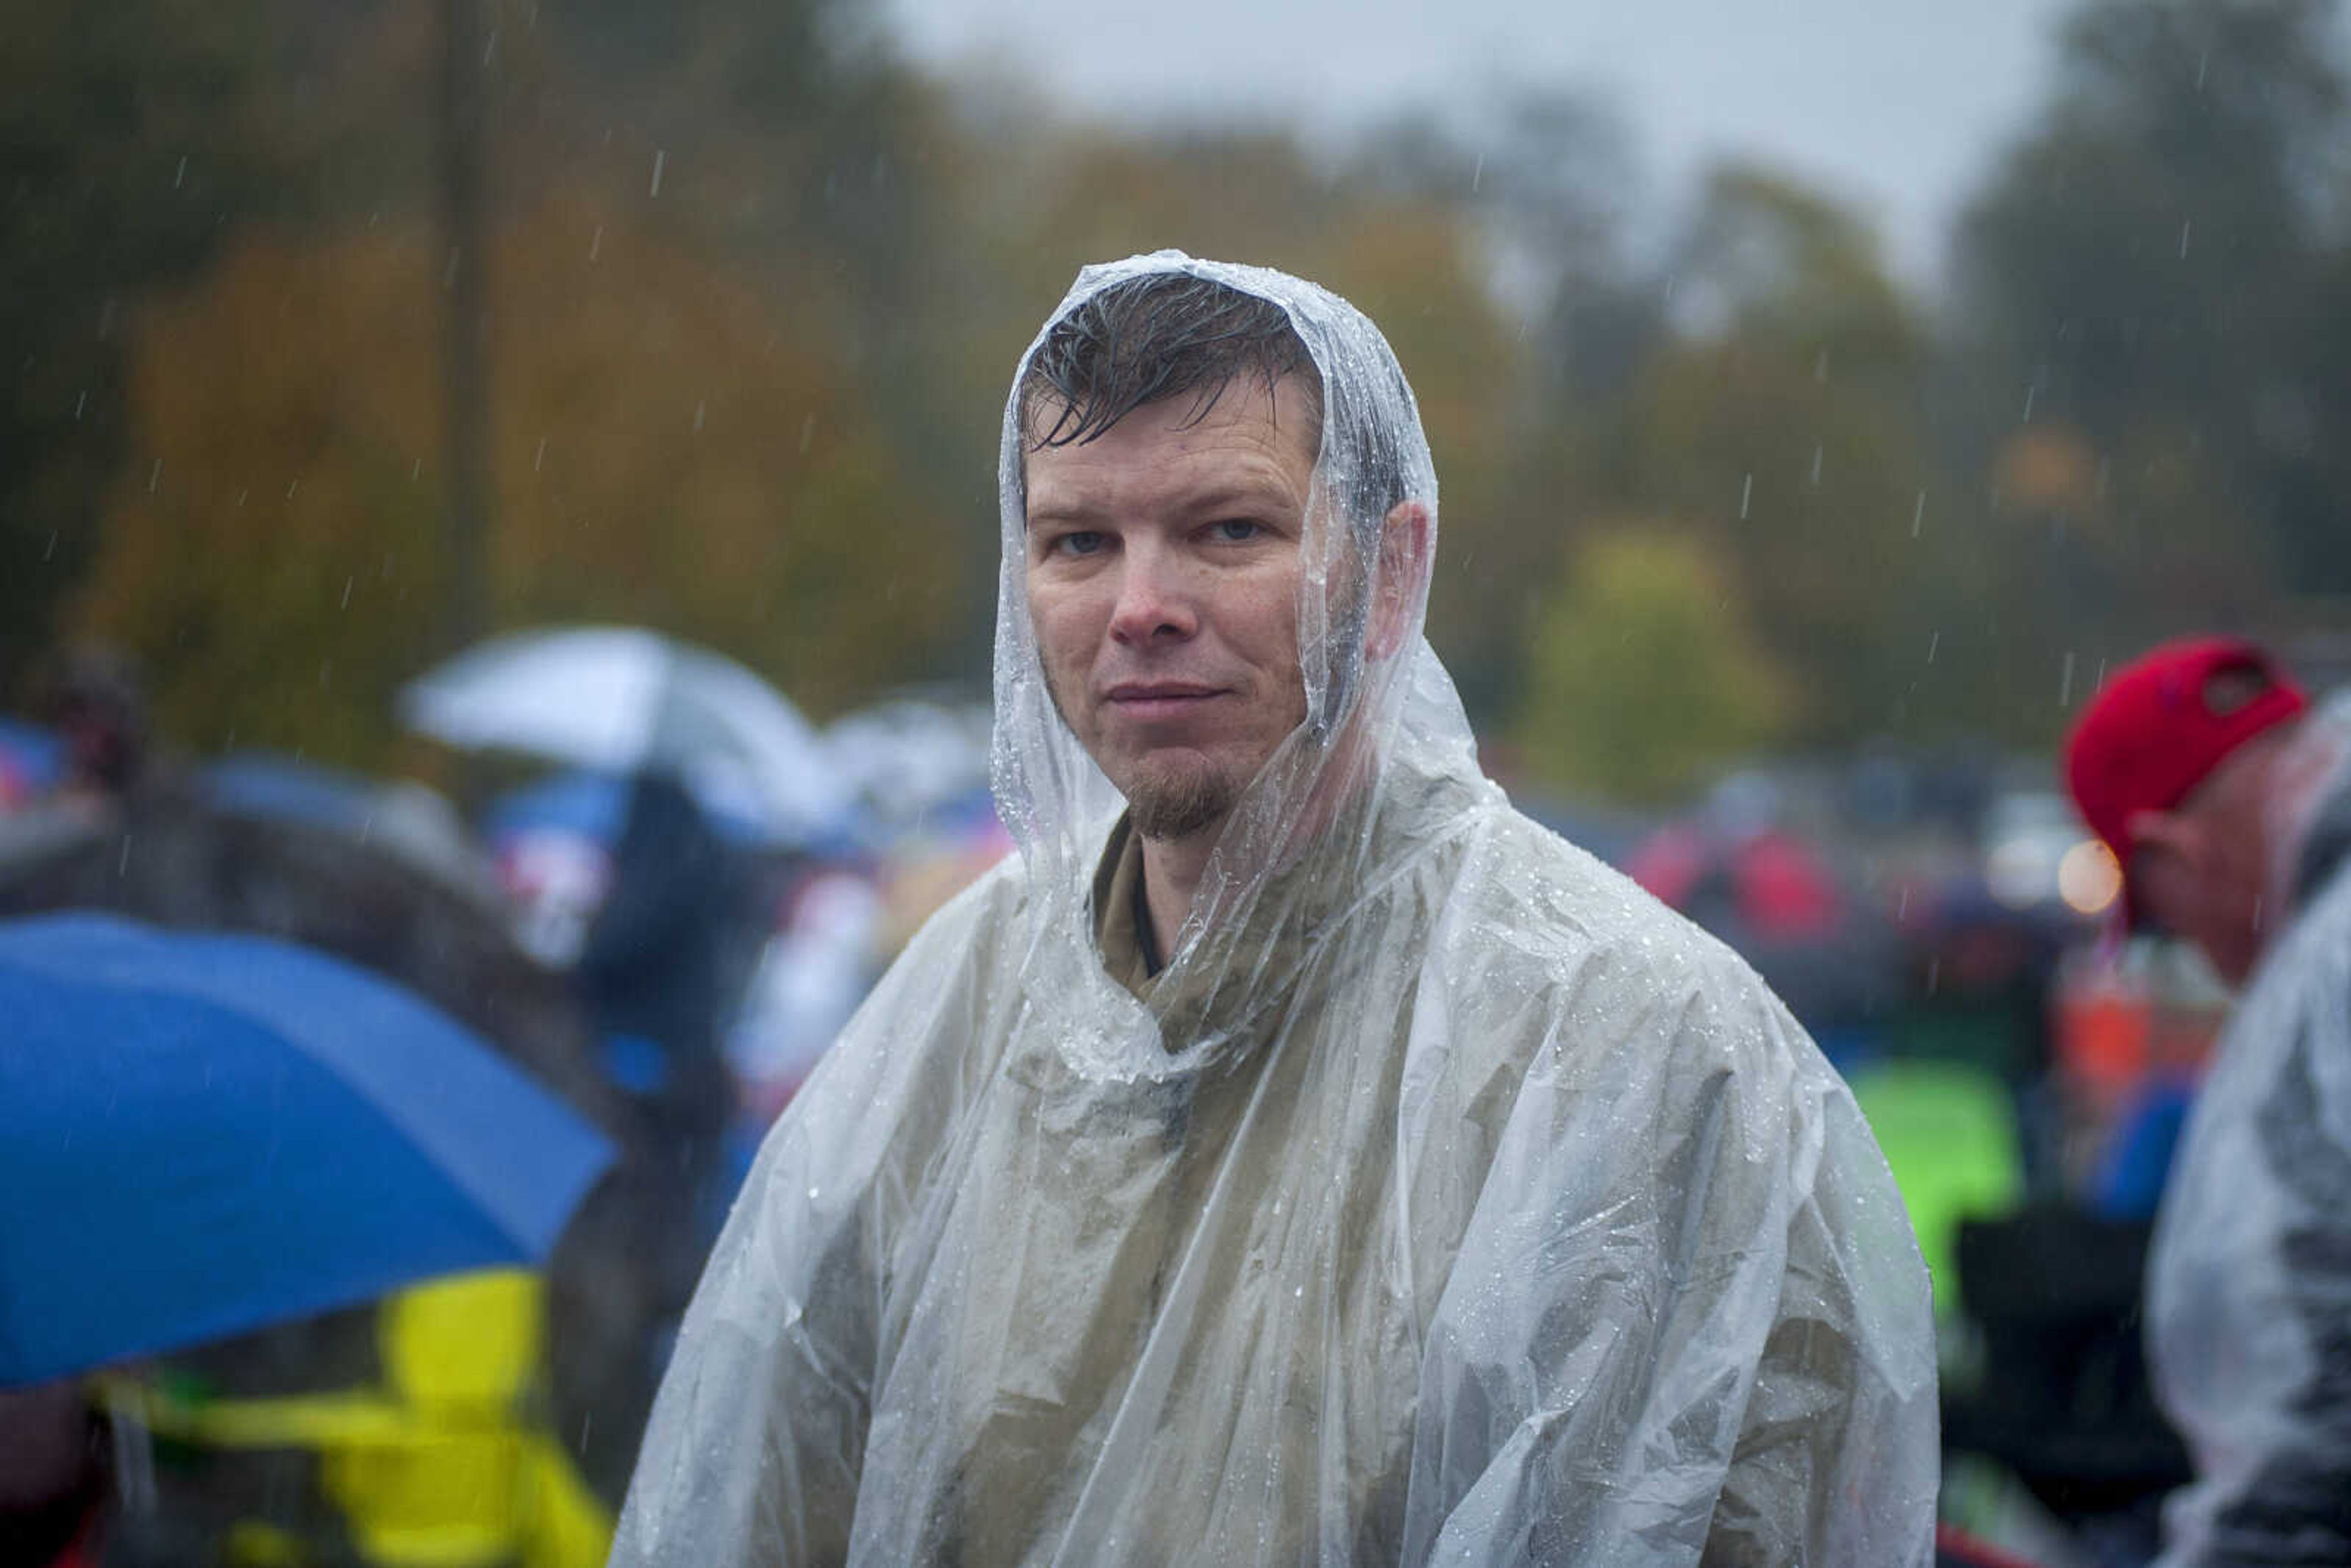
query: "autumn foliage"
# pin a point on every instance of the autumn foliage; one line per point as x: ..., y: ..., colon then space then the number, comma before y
x: 670, y: 452
x: 755, y: 288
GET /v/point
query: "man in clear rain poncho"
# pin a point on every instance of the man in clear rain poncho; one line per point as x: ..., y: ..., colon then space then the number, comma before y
x: 1316, y: 1162
x: 2226, y: 797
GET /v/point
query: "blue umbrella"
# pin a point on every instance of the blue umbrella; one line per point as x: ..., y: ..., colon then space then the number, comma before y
x: 32, y: 758
x: 204, y: 1134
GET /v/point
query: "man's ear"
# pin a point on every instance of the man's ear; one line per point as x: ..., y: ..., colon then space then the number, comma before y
x: 1402, y: 578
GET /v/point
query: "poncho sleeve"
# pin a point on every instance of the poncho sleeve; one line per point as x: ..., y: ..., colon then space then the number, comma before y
x: 1836, y: 1459
x: 1690, y: 1324
x: 2249, y: 1282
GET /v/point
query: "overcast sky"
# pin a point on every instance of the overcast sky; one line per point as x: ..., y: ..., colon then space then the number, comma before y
x: 1897, y: 106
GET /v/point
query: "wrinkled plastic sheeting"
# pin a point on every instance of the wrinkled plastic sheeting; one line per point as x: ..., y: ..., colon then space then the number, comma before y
x: 2249, y: 1294
x: 1447, y: 1199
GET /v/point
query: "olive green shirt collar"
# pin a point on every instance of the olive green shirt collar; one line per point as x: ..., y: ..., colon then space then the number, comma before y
x: 1121, y: 917
x: 1281, y: 927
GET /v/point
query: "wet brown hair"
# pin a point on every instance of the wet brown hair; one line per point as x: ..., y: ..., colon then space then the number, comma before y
x: 1170, y: 334
x: 1167, y: 334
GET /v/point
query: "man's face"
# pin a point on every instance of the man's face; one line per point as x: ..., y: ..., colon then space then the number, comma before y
x: 1163, y: 583
x: 2201, y: 870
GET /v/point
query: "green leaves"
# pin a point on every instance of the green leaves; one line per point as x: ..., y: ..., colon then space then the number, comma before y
x: 1645, y: 678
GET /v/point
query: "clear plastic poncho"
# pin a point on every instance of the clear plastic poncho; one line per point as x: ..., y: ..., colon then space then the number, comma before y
x: 1444, y: 1198
x: 2249, y: 1280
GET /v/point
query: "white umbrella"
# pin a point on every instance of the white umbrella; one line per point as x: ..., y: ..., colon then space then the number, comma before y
x: 906, y: 755
x: 620, y: 698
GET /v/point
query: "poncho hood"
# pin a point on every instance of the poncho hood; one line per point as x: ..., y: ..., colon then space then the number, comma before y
x: 1329, y: 809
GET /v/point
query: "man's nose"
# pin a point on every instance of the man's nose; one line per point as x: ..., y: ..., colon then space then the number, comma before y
x: 1154, y: 600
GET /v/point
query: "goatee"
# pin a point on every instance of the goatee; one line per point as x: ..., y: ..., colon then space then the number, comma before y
x: 1178, y: 802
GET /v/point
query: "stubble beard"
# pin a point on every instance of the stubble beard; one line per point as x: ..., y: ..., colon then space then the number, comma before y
x: 1176, y: 802
x: 1164, y: 801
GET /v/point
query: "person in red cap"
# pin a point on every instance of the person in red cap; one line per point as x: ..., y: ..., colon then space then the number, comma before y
x: 2226, y: 797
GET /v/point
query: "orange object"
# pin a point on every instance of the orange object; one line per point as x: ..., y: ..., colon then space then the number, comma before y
x: 2104, y: 1031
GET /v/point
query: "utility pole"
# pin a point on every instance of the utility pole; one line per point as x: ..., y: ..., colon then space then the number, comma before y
x: 467, y: 47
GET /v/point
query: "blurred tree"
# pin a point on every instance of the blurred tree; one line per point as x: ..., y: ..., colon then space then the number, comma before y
x: 101, y: 118
x: 1780, y: 420
x: 1540, y: 183
x: 2146, y: 278
x: 781, y: 140
x: 2124, y: 432
x: 133, y: 137
x: 1557, y: 182
x: 670, y: 453
x: 1643, y: 678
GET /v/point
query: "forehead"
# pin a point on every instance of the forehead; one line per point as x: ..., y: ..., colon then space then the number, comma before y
x: 1251, y: 436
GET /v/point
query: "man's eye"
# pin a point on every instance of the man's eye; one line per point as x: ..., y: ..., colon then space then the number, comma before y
x: 1237, y: 530
x: 1083, y: 542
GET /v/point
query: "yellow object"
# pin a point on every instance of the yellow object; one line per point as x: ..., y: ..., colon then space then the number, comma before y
x: 468, y: 1341
x: 252, y: 1544
x: 440, y: 1468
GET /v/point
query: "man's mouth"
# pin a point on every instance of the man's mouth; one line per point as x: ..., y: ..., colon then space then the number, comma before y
x: 1149, y: 700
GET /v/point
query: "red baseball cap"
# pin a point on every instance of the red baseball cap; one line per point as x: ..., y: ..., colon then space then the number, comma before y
x: 2163, y: 722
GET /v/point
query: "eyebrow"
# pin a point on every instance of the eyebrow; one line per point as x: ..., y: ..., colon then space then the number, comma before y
x: 1241, y: 495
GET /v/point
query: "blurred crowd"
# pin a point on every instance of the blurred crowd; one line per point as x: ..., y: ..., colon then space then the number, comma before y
x: 663, y: 962
x: 672, y: 966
